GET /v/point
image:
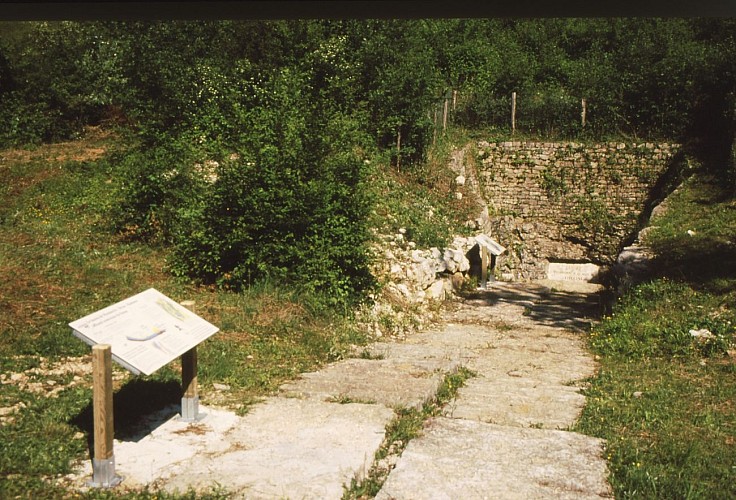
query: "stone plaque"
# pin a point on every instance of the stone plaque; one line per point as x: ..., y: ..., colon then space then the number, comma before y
x: 146, y: 331
x: 561, y: 271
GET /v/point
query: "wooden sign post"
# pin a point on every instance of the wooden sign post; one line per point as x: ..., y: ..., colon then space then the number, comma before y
x: 103, y: 461
x: 489, y: 250
x: 190, y: 390
x: 190, y: 396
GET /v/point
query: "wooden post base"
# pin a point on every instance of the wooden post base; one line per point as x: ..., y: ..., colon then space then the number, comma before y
x: 190, y: 397
x: 103, y: 473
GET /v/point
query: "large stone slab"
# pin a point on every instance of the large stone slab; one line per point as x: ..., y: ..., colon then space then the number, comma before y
x: 458, y: 339
x: 466, y: 459
x: 163, y: 444
x: 544, y: 367
x: 391, y: 382
x: 442, y: 357
x: 284, y: 448
x: 517, y: 402
x: 289, y: 448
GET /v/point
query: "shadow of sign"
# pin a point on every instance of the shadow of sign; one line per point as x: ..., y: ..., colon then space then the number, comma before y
x: 140, y: 406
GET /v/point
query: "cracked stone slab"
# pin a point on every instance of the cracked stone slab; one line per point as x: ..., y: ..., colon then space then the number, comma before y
x: 467, y: 459
x: 290, y: 448
x: 391, y: 382
x: 444, y: 356
x: 535, y: 354
x: 549, y: 368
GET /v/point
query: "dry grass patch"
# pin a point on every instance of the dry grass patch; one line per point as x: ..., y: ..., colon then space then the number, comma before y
x: 273, y: 311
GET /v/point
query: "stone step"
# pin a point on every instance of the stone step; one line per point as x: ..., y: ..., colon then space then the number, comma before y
x: 283, y: 448
x: 468, y: 459
x: 517, y: 402
x: 391, y: 382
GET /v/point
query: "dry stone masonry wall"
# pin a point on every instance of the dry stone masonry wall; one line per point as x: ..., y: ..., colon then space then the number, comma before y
x: 566, y: 202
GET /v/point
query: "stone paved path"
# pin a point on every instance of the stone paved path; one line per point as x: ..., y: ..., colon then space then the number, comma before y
x: 503, y: 437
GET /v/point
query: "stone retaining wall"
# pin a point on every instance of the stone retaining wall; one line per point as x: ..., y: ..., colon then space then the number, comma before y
x: 566, y: 201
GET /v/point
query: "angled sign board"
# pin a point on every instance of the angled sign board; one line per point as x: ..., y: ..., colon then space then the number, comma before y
x: 146, y: 331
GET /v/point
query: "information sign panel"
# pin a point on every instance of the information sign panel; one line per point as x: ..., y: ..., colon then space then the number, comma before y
x: 146, y: 331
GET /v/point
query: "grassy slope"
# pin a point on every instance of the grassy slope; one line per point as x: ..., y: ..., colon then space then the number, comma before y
x: 664, y: 401
x: 60, y: 262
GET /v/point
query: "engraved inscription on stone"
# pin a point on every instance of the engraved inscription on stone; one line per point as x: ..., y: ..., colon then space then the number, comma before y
x: 560, y: 271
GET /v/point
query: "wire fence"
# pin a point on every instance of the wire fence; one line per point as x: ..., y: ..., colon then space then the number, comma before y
x: 549, y: 114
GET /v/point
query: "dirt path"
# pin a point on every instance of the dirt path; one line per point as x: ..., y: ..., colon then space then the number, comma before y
x: 504, y: 436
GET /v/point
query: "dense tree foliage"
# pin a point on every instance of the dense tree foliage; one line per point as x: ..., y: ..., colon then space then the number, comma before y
x: 640, y: 77
x: 254, y: 135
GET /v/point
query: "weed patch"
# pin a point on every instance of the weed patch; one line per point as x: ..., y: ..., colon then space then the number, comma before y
x: 656, y: 319
x: 422, y: 200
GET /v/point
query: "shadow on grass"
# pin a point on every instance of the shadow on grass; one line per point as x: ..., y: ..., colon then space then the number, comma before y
x: 705, y: 265
x: 572, y: 310
x: 706, y: 258
x: 139, y: 407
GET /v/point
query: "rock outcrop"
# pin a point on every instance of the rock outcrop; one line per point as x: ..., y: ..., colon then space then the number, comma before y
x: 415, y: 280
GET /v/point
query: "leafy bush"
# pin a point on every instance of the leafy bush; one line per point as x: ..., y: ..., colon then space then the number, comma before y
x: 157, y: 183
x: 285, y: 202
x: 25, y: 123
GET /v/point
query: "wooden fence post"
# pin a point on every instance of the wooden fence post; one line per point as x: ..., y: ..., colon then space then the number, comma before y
x: 444, y: 115
x: 582, y: 113
x: 454, y: 100
x: 103, y: 461
x: 513, y: 113
x: 398, y: 150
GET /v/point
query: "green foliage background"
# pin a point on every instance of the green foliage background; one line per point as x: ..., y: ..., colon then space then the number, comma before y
x: 291, y: 110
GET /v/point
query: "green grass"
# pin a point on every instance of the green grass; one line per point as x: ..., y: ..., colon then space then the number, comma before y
x: 705, y: 258
x: 421, y: 198
x: 663, y: 400
x: 407, y: 425
x: 669, y: 426
x: 60, y: 260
